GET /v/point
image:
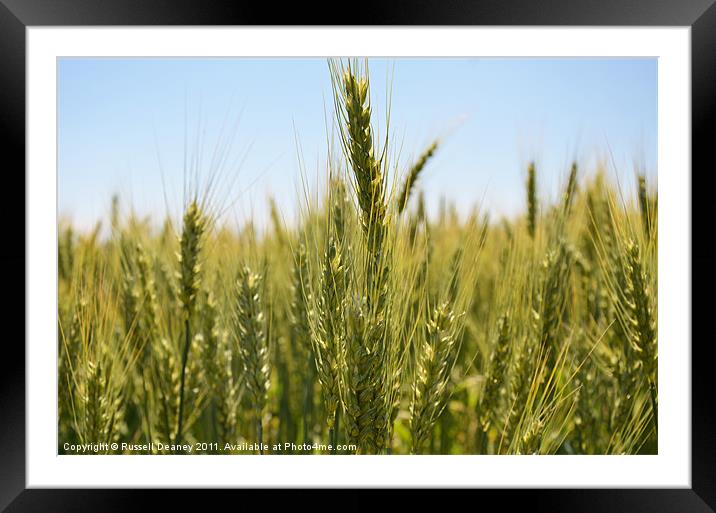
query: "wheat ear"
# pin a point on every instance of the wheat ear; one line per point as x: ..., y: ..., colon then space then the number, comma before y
x: 531, y: 199
x: 412, y: 176
x: 329, y: 335
x: 490, y: 400
x: 250, y: 337
x: 435, y: 362
x: 189, y: 268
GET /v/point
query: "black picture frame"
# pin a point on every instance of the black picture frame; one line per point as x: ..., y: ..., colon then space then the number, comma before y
x: 17, y: 15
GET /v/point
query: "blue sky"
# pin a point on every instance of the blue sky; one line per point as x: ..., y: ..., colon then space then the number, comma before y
x: 123, y: 122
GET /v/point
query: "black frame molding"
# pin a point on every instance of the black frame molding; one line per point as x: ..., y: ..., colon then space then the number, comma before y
x: 700, y: 15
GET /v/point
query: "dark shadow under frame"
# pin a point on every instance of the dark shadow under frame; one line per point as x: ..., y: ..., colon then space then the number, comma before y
x: 16, y: 15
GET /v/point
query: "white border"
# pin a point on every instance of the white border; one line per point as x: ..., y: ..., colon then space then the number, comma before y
x: 672, y: 467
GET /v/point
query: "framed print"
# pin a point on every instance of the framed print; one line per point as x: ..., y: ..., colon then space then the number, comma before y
x: 417, y: 251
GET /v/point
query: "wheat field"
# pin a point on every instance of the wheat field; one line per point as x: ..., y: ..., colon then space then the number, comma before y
x: 365, y: 326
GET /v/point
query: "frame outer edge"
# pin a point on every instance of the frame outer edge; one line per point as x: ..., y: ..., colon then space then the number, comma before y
x: 12, y: 103
x: 703, y: 112
x: 12, y: 137
x: 372, y: 12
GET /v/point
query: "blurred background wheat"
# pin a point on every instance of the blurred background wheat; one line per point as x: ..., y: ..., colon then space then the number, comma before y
x: 362, y: 321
